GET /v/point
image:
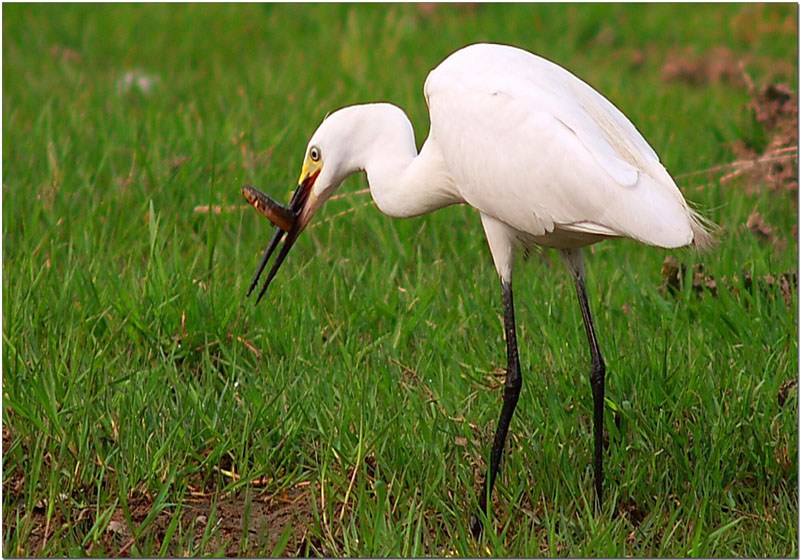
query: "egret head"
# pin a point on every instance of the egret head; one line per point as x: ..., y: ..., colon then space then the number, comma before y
x: 318, y: 180
x: 326, y: 164
x: 348, y: 141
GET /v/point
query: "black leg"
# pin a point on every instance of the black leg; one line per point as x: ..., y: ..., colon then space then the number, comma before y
x: 510, y: 398
x: 598, y: 379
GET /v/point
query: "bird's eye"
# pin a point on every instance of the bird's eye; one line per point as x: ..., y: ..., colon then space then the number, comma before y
x: 314, y: 154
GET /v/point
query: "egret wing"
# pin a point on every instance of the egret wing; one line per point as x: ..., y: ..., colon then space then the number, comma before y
x: 533, y: 146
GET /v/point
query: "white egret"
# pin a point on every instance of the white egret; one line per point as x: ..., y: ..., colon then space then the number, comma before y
x: 544, y: 158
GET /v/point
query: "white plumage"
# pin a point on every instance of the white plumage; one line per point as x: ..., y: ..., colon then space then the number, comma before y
x: 532, y: 146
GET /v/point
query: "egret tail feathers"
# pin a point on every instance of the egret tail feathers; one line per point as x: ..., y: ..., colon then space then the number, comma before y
x: 704, y: 231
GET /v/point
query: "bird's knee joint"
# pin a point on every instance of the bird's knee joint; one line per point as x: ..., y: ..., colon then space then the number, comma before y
x: 512, y: 391
x: 514, y: 381
x: 598, y: 373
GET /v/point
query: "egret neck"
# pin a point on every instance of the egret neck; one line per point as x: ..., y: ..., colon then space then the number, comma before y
x: 403, y: 183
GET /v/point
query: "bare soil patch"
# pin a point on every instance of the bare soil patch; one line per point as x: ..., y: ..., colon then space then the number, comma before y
x: 208, y: 524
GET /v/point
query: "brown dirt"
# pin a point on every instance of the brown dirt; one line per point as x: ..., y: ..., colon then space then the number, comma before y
x: 674, y: 275
x: 719, y: 64
x: 766, y: 152
x: 267, y: 518
x: 785, y: 388
x: 773, y: 108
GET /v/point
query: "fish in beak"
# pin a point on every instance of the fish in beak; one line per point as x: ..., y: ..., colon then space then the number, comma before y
x: 289, y: 221
x: 278, y: 214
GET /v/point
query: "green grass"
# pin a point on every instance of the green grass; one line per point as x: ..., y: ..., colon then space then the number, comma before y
x: 357, y: 403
